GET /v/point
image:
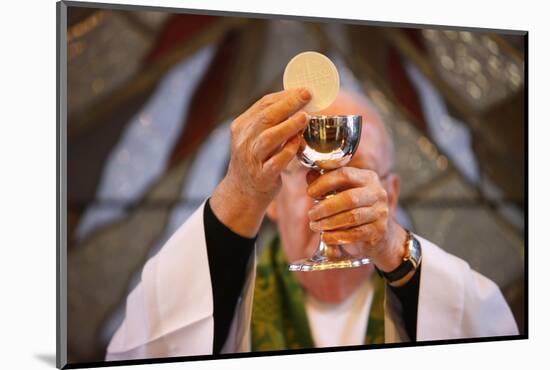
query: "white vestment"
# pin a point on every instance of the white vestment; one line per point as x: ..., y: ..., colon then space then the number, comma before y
x: 170, y: 312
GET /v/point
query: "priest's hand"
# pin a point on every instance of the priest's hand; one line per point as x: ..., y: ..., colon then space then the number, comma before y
x: 358, y: 214
x: 264, y: 139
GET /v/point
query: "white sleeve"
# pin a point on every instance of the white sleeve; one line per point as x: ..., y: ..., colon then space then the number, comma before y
x: 170, y: 312
x: 486, y: 313
x: 454, y: 301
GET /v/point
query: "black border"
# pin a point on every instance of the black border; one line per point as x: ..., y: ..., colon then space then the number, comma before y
x: 60, y: 195
x: 526, y: 186
x: 292, y: 352
x: 60, y: 333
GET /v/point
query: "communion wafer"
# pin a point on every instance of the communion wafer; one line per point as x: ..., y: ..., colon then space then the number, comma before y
x: 318, y: 74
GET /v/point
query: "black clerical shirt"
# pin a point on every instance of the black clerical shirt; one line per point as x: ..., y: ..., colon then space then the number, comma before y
x: 228, y: 256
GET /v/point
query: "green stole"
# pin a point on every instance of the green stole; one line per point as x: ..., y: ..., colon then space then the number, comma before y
x: 279, y: 318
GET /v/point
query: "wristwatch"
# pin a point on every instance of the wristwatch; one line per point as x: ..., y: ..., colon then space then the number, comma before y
x: 411, y: 260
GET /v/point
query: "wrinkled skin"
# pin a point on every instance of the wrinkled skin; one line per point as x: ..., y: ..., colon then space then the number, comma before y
x: 263, y: 141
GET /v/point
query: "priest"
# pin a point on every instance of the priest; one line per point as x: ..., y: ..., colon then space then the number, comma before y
x: 211, y: 289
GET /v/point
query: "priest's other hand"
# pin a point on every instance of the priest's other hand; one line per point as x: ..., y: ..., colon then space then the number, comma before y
x: 358, y: 214
x: 264, y: 139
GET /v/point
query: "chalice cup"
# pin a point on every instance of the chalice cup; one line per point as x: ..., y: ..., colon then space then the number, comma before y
x: 329, y: 142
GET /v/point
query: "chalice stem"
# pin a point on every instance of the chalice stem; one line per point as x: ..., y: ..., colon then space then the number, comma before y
x: 326, y: 251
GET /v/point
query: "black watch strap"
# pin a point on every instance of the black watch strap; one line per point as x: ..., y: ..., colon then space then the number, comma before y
x: 410, y: 261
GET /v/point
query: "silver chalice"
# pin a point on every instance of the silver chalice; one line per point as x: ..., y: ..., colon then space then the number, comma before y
x: 329, y: 142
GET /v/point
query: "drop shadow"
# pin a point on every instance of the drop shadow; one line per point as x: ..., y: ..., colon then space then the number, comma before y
x: 47, y: 358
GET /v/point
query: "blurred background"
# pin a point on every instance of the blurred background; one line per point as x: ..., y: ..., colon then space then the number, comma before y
x: 151, y: 94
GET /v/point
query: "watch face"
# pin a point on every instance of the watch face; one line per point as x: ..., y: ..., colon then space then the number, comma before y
x: 409, y: 263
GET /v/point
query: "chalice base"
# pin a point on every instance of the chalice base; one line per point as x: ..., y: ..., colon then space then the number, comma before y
x: 320, y: 262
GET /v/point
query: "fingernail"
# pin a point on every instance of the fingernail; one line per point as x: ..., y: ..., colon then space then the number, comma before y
x: 314, y: 226
x: 305, y: 94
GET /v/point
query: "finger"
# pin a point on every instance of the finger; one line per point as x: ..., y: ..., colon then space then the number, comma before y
x: 344, y: 201
x: 272, y: 138
x: 341, y: 179
x: 278, y: 162
x: 348, y: 219
x: 369, y: 233
x: 249, y: 117
x: 286, y: 106
x: 312, y: 175
x: 264, y: 102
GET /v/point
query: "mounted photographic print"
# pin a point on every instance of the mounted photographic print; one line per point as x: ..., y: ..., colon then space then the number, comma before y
x: 239, y: 185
